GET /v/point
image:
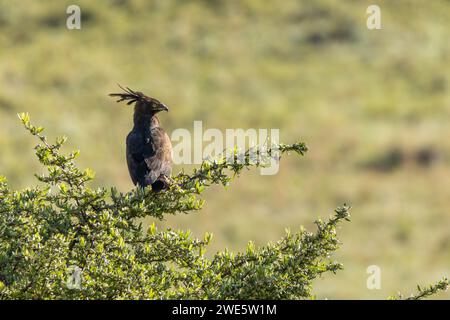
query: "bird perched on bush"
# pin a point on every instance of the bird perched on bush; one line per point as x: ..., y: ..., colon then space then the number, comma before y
x: 149, y: 150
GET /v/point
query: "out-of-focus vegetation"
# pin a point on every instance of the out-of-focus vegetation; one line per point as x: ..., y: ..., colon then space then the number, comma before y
x: 374, y: 107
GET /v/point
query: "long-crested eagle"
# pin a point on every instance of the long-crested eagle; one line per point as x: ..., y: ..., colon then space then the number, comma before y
x: 148, y: 147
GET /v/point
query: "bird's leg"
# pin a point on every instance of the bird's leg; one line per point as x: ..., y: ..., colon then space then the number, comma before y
x: 167, y: 180
x: 162, y: 183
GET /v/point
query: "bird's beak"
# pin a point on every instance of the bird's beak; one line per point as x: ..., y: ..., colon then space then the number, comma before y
x: 164, y: 108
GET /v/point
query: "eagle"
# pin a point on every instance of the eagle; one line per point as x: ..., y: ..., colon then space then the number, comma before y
x: 148, y: 147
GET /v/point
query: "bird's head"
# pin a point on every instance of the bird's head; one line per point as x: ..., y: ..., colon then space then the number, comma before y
x: 144, y: 104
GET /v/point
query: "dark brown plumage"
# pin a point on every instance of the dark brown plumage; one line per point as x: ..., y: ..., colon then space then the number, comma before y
x: 149, y: 150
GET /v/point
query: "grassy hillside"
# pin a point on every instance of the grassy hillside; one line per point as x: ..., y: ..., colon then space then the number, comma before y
x: 373, y: 106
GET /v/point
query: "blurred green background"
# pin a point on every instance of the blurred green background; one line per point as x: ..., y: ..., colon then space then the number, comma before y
x: 373, y: 106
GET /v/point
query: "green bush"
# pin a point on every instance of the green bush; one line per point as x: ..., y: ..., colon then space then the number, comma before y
x: 65, y: 240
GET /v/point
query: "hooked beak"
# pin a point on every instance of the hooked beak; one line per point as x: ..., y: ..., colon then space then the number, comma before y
x: 163, y: 107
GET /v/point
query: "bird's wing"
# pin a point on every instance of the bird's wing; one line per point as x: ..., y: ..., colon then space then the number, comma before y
x: 159, y: 163
x: 139, y: 147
